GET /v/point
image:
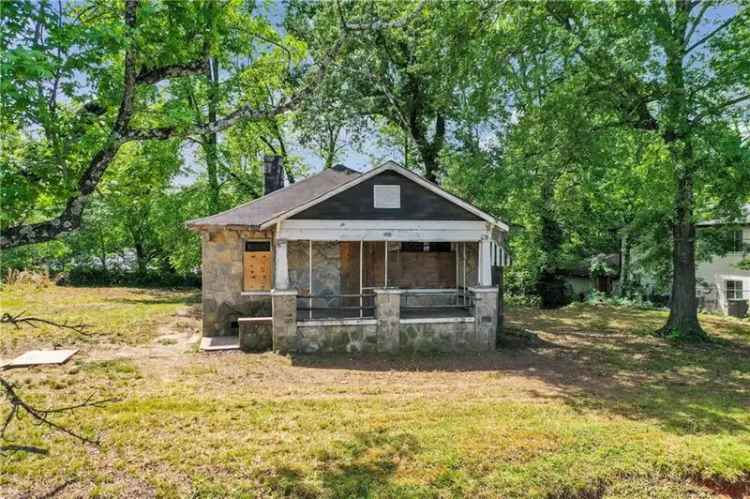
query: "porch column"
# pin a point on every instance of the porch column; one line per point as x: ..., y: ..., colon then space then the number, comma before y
x: 284, y: 306
x: 485, y: 263
x: 388, y: 316
x: 485, y: 319
x: 281, y: 265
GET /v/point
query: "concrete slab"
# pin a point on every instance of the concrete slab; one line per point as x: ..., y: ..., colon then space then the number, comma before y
x: 217, y: 343
x: 41, y: 357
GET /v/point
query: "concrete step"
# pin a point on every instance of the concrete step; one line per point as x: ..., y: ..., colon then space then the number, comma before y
x: 218, y: 343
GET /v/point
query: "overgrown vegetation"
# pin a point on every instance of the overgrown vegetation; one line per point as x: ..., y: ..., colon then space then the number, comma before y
x: 590, y: 403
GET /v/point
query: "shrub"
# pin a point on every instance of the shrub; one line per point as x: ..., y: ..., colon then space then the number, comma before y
x: 635, y: 300
x: 522, y: 300
x: 87, y: 276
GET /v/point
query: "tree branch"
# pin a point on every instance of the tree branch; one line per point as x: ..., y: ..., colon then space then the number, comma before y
x: 719, y: 107
x: 18, y: 320
x: 157, y: 74
x: 19, y: 406
x: 710, y: 35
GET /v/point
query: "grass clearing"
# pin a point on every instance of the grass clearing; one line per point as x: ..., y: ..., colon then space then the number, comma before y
x: 122, y: 316
x: 586, y: 406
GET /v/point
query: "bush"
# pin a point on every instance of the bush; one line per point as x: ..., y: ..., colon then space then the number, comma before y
x: 522, y: 300
x: 636, y: 300
x: 86, y: 276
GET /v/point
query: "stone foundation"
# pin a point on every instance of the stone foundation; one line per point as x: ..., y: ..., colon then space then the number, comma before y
x: 256, y: 335
x: 435, y: 335
x: 355, y: 336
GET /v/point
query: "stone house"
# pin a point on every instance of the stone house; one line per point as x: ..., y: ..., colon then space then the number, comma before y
x: 358, y: 262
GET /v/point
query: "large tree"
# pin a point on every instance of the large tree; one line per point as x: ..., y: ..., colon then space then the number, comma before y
x: 410, y: 75
x: 672, y: 70
x: 80, y: 83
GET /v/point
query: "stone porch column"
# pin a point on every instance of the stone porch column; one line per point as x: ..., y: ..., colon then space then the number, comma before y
x: 485, y: 319
x: 388, y: 316
x: 281, y: 265
x: 284, y: 305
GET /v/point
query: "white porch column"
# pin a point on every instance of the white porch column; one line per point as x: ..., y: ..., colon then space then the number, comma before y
x: 281, y: 265
x: 485, y: 263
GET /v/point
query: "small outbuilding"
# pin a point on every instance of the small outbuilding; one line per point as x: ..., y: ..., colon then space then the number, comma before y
x: 347, y: 261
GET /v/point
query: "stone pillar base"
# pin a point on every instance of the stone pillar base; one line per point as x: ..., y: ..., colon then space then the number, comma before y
x: 388, y: 316
x: 485, y: 319
x: 284, y: 304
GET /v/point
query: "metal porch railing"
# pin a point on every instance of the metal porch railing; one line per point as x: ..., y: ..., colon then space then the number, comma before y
x: 345, y: 306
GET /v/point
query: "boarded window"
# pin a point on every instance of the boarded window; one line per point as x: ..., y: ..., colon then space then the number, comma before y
x: 258, y: 269
x: 387, y: 196
x: 734, y: 290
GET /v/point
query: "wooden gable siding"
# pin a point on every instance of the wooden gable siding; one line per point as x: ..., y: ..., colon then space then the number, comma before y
x: 356, y: 203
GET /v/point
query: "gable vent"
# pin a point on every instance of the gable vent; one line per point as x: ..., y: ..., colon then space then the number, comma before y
x: 387, y: 196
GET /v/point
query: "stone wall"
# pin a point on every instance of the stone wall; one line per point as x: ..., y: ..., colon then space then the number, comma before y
x: 433, y: 336
x: 337, y: 336
x: 297, y: 260
x: 256, y: 336
x: 326, y: 265
x: 221, y: 268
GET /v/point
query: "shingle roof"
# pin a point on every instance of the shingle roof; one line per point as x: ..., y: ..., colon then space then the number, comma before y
x: 261, y: 210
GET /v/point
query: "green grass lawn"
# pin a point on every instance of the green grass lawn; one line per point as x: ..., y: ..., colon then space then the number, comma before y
x: 582, y: 402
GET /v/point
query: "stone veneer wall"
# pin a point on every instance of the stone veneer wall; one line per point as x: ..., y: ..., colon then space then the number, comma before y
x: 328, y: 337
x: 435, y: 336
x: 326, y: 264
x: 221, y: 267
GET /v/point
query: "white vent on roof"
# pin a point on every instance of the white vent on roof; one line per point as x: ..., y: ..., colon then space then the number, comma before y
x: 387, y: 196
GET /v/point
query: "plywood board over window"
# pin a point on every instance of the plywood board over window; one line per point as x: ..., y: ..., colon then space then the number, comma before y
x: 258, y: 266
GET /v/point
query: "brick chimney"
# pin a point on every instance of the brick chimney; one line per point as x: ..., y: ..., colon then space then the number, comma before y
x: 273, y: 173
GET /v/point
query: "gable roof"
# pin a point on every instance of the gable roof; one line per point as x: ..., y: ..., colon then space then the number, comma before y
x: 258, y: 211
x: 284, y: 203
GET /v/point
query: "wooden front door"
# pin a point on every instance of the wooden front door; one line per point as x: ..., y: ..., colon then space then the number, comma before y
x: 258, y: 266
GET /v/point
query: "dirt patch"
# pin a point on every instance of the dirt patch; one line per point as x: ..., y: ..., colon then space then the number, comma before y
x: 179, y: 335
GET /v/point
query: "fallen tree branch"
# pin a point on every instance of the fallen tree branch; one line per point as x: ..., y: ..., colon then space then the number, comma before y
x: 18, y: 320
x: 19, y: 407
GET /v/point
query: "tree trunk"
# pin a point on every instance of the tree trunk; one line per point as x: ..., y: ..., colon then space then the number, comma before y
x: 430, y: 150
x: 683, y: 313
x: 625, y: 265
x: 140, y: 257
x: 210, y: 141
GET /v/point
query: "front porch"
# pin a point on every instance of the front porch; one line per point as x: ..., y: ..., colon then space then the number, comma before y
x: 387, y: 296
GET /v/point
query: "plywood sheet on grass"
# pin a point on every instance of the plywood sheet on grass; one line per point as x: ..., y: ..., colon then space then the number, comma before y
x: 41, y: 357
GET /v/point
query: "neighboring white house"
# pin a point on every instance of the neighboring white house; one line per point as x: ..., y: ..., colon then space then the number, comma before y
x: 719, y: 279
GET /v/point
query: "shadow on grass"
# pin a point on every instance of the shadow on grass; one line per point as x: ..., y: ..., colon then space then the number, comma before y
x: 686, y: 389
x: 361, y: 467
x: 160, y: 297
